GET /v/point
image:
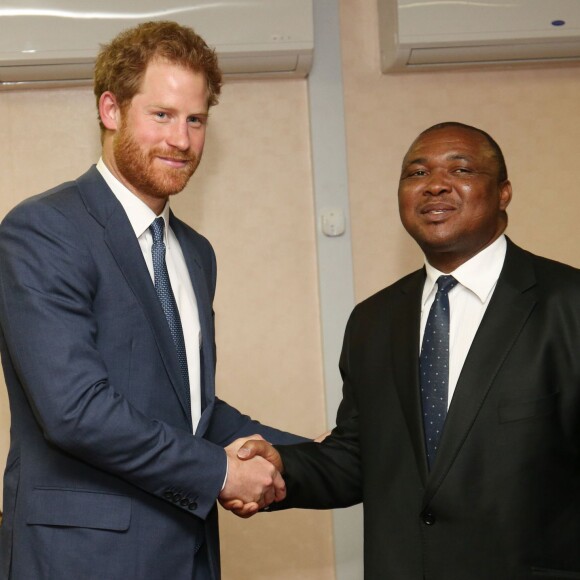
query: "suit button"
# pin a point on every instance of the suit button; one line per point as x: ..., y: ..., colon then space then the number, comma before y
x: 192, y: 505
x: 184, y: 502
x: 168, y: 494
x: 177, y: 497
x: 428, y: 518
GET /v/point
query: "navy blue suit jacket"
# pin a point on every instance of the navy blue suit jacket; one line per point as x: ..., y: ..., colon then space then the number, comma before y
x: 104, y: 478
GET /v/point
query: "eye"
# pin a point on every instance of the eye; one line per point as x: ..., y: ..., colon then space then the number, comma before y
x: 416, y: 173
x: 160, y: 115
x: 197, y: 120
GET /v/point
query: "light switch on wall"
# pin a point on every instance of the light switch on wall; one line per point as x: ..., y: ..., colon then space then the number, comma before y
x: 333, y: 222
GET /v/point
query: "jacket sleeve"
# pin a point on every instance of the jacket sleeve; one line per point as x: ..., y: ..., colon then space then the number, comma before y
x: 328, y: 474
x: 228, y: 424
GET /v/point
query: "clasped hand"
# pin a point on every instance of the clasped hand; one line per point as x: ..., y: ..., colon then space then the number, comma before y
x: 254, y: 476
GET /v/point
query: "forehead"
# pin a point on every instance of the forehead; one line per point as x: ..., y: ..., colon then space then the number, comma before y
x: 164, y: 79
x: 449, y: 142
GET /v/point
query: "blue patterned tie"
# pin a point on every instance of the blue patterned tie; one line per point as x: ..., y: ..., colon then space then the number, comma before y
x: 167, y: 299
x: 434, y: 367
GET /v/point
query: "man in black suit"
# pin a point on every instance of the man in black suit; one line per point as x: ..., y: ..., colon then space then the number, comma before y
x: 496, y: 495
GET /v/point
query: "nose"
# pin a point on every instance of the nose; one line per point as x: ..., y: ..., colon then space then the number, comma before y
x: 178, y: 136
x: 437, y: 184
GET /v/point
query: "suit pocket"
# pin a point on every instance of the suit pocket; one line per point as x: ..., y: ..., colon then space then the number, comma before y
x: 78, y: 534
x: 555, y: 574
x: 79, y: 508
x: 517, y: 410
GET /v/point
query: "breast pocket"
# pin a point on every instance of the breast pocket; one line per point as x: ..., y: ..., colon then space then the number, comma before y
x: 550, y: 574
x: 521, y: 409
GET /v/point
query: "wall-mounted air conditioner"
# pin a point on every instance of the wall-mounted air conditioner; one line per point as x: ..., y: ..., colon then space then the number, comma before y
x: 54, y: 43
x: 423, y: 34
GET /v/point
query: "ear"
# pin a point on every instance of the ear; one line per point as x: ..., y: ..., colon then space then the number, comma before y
x: 109, y: 111
x: 505, y: 194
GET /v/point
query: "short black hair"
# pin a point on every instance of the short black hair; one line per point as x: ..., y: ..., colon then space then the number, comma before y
x: 495, y: 148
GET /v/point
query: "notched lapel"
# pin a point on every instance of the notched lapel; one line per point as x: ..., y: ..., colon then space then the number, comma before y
x: 124, y: 247
x: 405, y: 356
x: 204, y: 308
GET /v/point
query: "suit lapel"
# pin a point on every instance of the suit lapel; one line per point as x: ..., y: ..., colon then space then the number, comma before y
x: 405, y: 357
x: 204, y: 307
x: 124, y: 247
x: 510, y: 306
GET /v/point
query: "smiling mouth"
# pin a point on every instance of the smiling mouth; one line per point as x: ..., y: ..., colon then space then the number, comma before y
x: 176, y: 162
x: 436, y: 214
x: 436, y: 211
x: 165, y: 158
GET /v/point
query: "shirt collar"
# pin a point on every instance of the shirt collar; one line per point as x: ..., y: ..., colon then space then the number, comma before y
x: 479, y: 274
x: 140, y: 215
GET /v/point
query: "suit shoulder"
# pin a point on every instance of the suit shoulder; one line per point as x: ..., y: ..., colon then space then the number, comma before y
x: 549, y: 272
x: 553, y: 280
x: 402, y: 285
x: 391, y: 296
x: 546, y: 267
x: 57, y: 198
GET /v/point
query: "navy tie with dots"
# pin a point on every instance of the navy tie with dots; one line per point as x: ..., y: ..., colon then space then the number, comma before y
x: 434, y: 367
x: 167, y: 299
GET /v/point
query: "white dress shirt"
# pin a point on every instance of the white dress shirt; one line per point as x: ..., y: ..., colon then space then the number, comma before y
x: 141, y: 217
x: 468, y: 302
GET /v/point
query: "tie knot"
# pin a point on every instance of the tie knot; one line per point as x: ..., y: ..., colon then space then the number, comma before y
x: 446, y: 283
x: 157, y: 228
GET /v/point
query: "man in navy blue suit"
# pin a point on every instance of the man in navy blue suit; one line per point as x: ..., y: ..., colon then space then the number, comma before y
x: 117, y: 442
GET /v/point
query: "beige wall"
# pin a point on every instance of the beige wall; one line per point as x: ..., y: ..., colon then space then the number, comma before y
x: 252, y: 197
x: 255, y: 205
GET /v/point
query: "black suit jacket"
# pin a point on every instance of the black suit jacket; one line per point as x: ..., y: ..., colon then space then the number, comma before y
x: 105, y: 479
x: 503, y: 499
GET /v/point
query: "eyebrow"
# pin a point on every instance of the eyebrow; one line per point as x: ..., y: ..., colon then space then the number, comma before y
x: 452, y: 157
x: 416, y: 160
x: 171, y: 108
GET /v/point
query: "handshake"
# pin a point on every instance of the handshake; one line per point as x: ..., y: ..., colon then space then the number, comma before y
x: 254, y: 478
